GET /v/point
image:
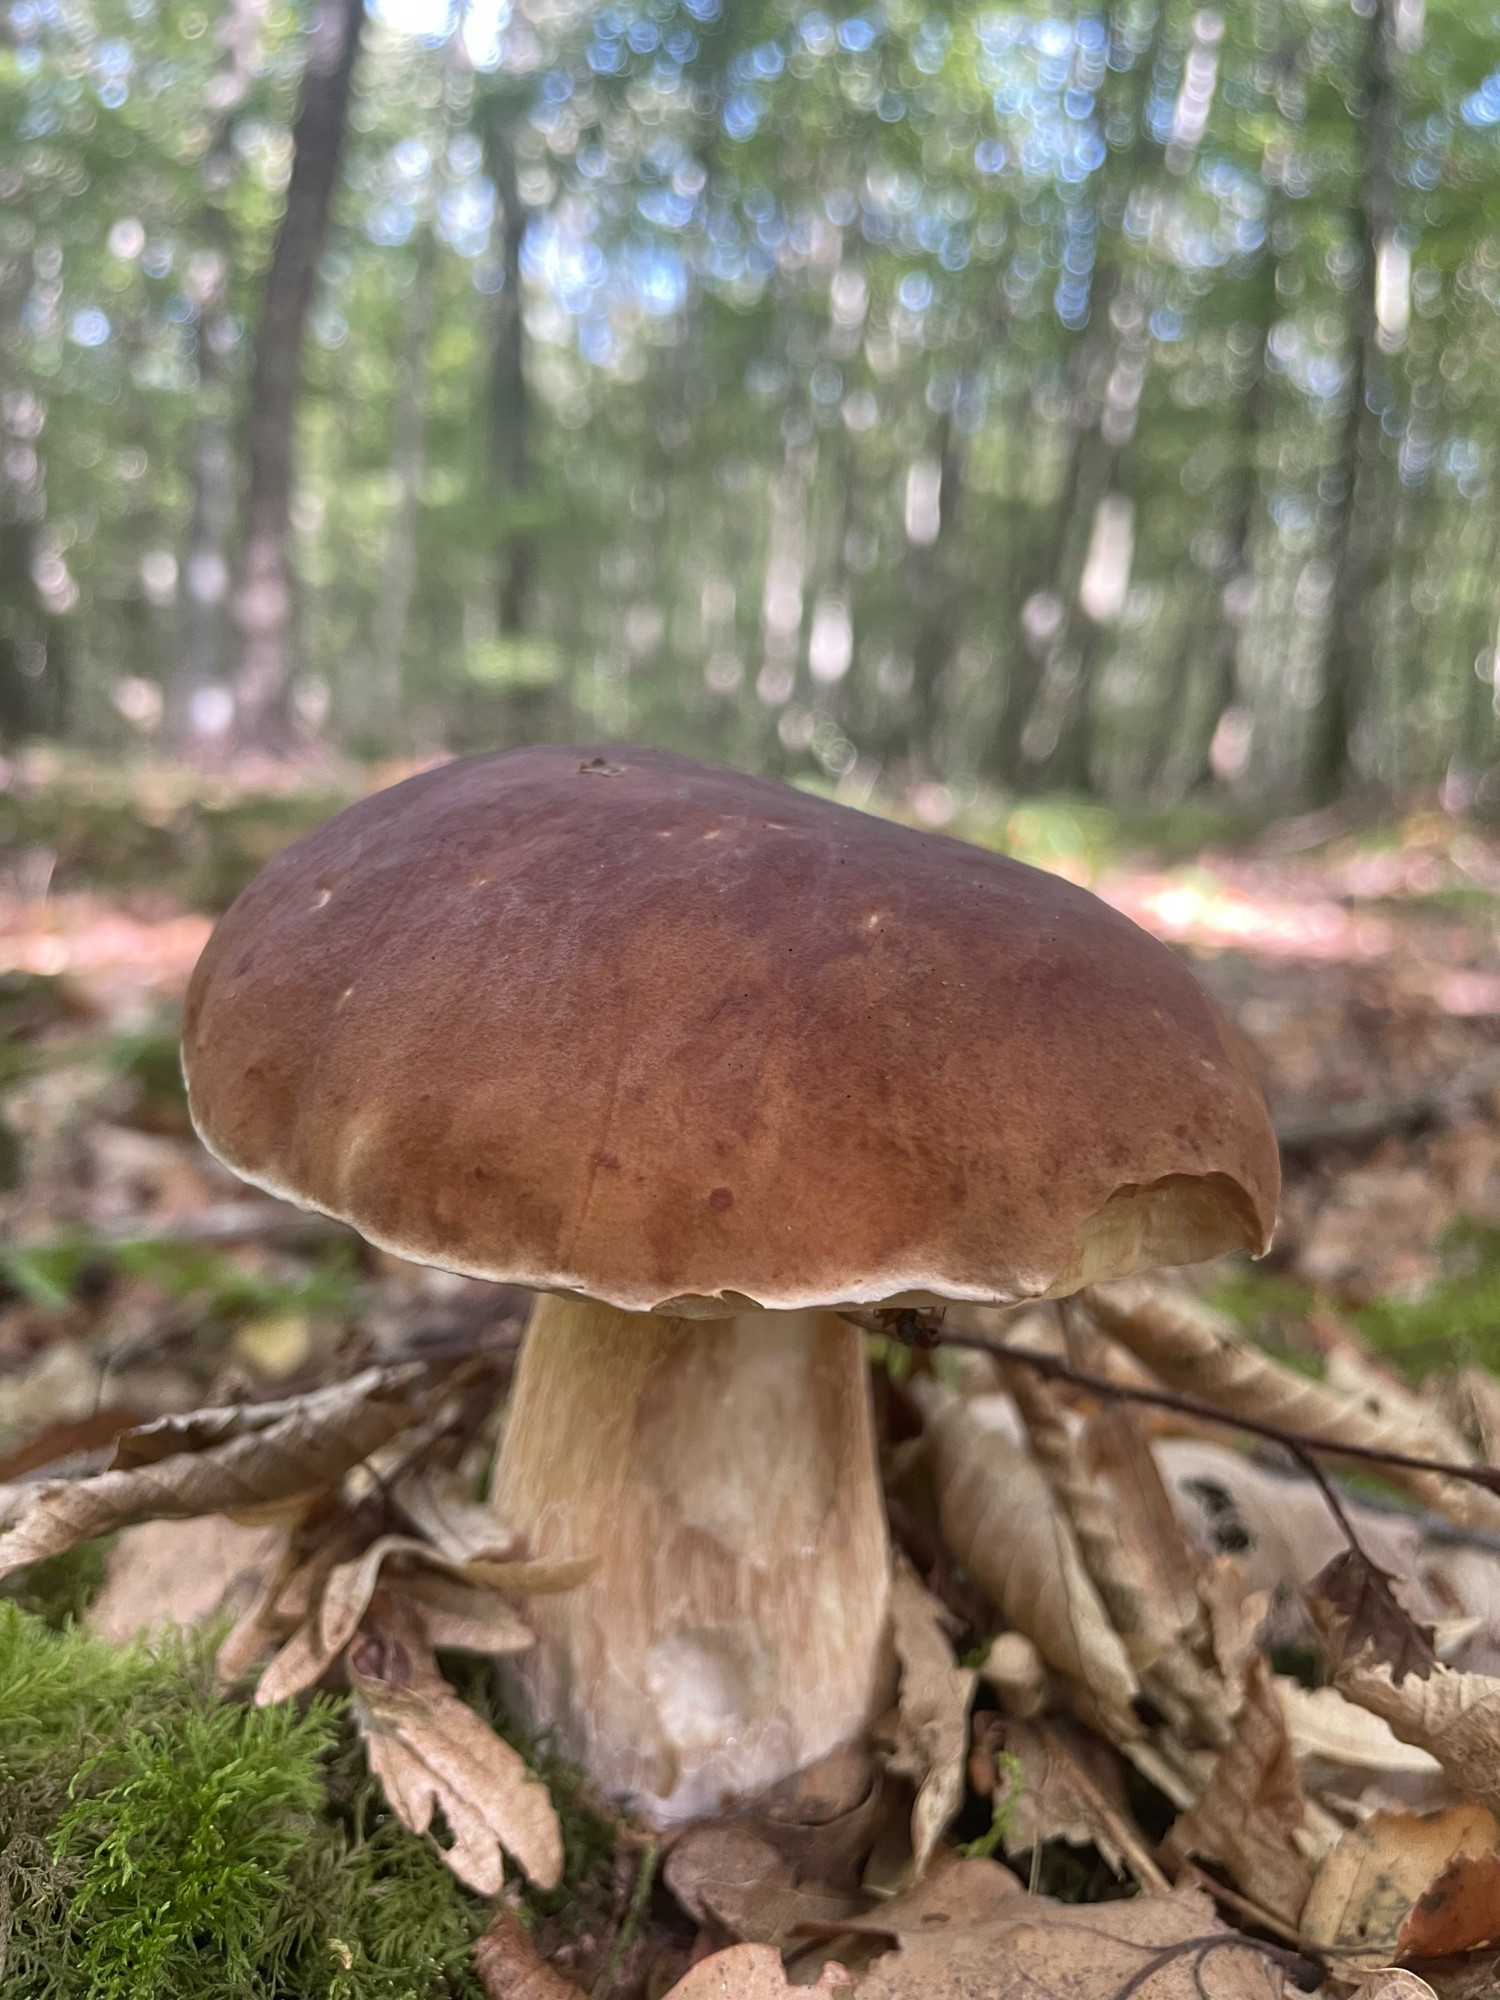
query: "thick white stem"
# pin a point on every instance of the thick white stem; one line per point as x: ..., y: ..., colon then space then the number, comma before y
x: 722, y: 1474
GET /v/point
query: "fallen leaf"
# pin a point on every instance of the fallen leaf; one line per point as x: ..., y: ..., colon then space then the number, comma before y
x: 825, y: 1818
x: 932, y: 1710
x: 931, y: 1713
x: 1407, y: 1885
x: 430, y: 1750
x: 728, y: 1877
x: 1000, y: 1521
x: 1158, y: 1947
x: 440, y: 1506
x: 511, y: 1968
x: 963, y: 1889
x: 1115, y: 1445
x: 1154, y: 1948
x: 1455, y: 1716
x: 750, y: 1972
x: 181, y: 1573
x: 1202, y: 1354
x: 1391, y: 1983
x: 1357, y: 1614
x: 215, y: 1462
x: 1070, y: 1789
x: 1253, y: 1810
x: 1324, y: 1726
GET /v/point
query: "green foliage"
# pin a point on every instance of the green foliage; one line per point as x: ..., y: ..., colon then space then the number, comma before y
x: 1457, y: 1321
x: 161, y: 1842
x: 1454, y: 1322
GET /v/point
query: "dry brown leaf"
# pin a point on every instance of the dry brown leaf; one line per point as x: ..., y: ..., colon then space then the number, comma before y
x: 1455, y: 1716
x: 1070, y: 1789
x: 1407, y: 1885
x: 1202, y: 1354
x: 962, y: 1889
x: 1111, y: 1568
x: 182, y: 1573
x: 511, y: 1968
x: 1117, y: 1449
x: 728, y: 1877
x: 1357, y: 1613
x: 826, y: 1817
x: 1157, y: 1947
x: 440, y: 1506
x: 932, y: 1710
x: 1326, y: 1728
x: 1253, y: 1810
x: 1391, y: 1983
x: 458, y: 1619
x: 307, y: 1447
x: 351, y: 1585
x: 749, y: 1972
x: 430, y: 1750
x: 1154, y: 1948
x: 1000, y: 1521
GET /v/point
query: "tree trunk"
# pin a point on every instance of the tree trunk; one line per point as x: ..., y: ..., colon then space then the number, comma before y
x: 1090, y: 464
x: 398, y: 574
x: 509, y: 399
x: 203, y: 636
x: 1356, y: 538
x: 263, y: 599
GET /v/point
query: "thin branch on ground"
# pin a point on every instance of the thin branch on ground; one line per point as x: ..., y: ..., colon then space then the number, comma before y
x: 926, y: 1330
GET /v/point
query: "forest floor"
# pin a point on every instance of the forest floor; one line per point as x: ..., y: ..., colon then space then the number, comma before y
x: 138, y: 1281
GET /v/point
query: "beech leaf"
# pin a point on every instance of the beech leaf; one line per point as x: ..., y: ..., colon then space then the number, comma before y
x: 1000, y: 1521
x: 1408, y: 1884
x: 1252, y: 1809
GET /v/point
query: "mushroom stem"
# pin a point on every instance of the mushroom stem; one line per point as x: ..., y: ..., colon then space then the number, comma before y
x: 722, y: 1474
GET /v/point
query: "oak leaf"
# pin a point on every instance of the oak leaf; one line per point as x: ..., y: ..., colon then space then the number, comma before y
x: 430, y: 1750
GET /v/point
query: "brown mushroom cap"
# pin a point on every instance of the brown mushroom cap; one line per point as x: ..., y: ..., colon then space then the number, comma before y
x: 653, y: 1031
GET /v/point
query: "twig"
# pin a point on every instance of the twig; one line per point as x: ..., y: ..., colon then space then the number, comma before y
x: 925, y: 1330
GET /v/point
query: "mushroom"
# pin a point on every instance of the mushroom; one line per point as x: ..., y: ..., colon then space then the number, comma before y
x: 703, y: 1059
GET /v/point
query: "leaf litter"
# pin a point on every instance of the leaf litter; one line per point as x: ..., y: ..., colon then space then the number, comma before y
x: 265, y: 1443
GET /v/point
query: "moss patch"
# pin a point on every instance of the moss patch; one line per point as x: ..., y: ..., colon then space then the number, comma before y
x: 161, y: 1842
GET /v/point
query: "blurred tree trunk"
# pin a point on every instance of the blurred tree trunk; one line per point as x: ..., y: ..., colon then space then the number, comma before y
x: 202, y: 659
x: 932, y: 590
x: 1357, y: 542
x: 510, y: 408
x: 398, y: 575
x: 33, y: 684
x: 1090, y: 463
x: 263, y: 598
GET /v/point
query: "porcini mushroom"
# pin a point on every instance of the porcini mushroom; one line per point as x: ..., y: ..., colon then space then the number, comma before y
x: 703, y: 1059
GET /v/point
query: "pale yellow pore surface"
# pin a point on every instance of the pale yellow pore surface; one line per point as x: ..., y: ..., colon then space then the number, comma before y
x: 723, y: 1476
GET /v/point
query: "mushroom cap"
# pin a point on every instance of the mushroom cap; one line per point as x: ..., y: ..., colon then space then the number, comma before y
x: 652, y: 1031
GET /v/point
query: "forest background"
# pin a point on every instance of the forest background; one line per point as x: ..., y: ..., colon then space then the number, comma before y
x: 979, y: 396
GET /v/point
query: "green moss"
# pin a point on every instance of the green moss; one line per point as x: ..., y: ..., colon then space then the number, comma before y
x: 1454, y: 1323
x: 159, y: 1841
x: 1458, y: 1319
